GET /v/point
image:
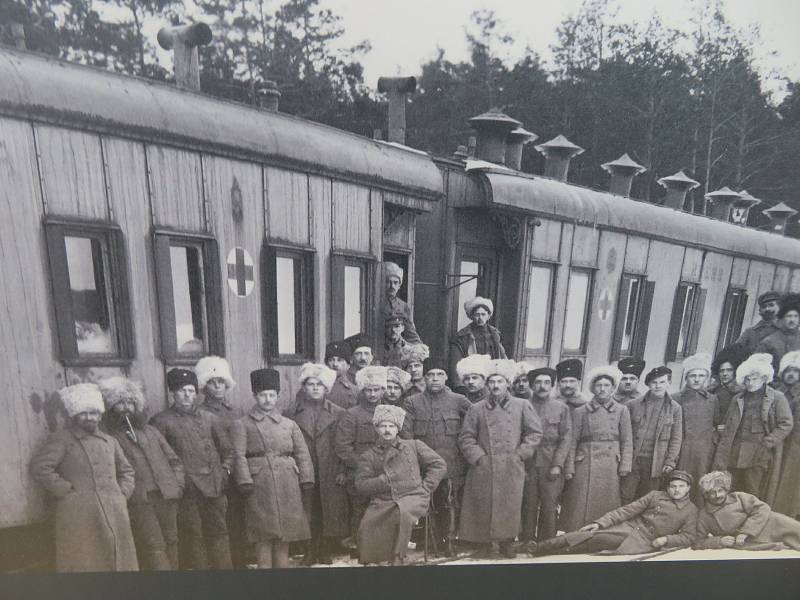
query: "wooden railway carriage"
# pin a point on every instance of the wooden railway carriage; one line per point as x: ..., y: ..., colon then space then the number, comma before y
x: 145, y: 226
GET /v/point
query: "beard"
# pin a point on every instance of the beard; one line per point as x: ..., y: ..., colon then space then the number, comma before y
x: 116, y: 420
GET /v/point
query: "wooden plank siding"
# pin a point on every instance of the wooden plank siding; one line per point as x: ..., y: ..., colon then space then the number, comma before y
x: 794, y: 282
x: 287, y: 205
x: 319, y: 190
x: 351, y: 217
x: 176, y: 188
x: 783, y: 276
x: 636, y: 254
x: 664, y: 268
x: 714, y: 279
x: 760, y: 276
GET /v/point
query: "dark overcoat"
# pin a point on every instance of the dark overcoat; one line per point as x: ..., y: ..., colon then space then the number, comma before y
x: 779, y: 343
x: 271, y: 454
x: 701, y: 418
x: 787, y: 497
x: 602, y: 447
x: 399, y: 478
x: 668, y: 432
x: 90, y: 480
x: 496, y: 439
x: 355, y: 434
x: 320, y: 438
x: 725, y: 393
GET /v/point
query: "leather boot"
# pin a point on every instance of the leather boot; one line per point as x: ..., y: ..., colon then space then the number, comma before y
x: 507, y: 549
x: 552, y: 546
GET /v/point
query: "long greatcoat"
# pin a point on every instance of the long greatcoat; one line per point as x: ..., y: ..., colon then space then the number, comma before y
x: 668, y: 432
x: 496, y: 440
x: 399, y: 478
x: 601, y: 447
x: 777, y: 419
x: 272, y: 455
x: 779, y: 343
x: 320, y: 439
x: 787, y: 498
x: 701, y: 418
x: 90, y: 479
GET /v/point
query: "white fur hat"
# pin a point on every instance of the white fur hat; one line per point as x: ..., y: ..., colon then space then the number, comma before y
x: 391, y: 269
x: 117, y: 389
x: 400, y: 377
x: 372, y: 375
x: 701, y: 360
x: 523, y: 369
x: 790, y: 360
x: 389, y: 412
x: 477, y: 301
x: 209, y: 367
x: 411, y: 353
x: 758, y: 364
x: 81, y: 397
x: 609, y: 371
x: 474, y: 364
x: 502, y: 366
x: 318, y: 371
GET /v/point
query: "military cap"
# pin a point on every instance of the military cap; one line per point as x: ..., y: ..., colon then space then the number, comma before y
x: 789, y: 302
x: 339, y: 349
x: 572, y: 367
x: 631, y: 366
x: 177, y: 378
x: 771, y: 296
x: 534, y: 373
x: 357, y: 341
x: 393, y: 320
x: 657, y: 372
x: 682, y: 475
x: 435, y: 362
x: 265, y: 379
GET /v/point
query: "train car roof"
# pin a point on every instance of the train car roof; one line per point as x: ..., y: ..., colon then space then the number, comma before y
x: 549, y: 197
x: 49, y: 90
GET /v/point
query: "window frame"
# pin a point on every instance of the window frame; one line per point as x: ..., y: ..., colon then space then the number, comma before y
x: 544, y: 350
x: 693, y: 313
x: 305, y: 295
x: 212, y: 291
x: 56, y: 230
x: 369, y: 311
x: 581, y: 351
x: 486, y: 280
x: 722, y: 337
x: 641, y: 324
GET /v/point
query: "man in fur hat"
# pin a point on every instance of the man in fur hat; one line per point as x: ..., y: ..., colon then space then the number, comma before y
x: 702, y: 419
x: 723, y: 370
x: 758, y: 420
x: 361, y: 354
x: 498, y: 435
x: 769, y: 303
x: 787, y: 338
x: 393, y: 306
x: 628, y: 388
x: 472, y: 372
x: 478, y: 337
x: 394, y: 343
x: 87, y: 475
x: 398, y: 476
x: 570, y: 374
x: 412, y: 361
x: 153, y: 507
x: 355, y: 434
x: 201, y: 442
x: 337, y: 357
x: 657, y: 427
x: 787, y: 499
x: 398, y: 383
x: 544, y: 479
x: 521, y: 386
x: 435, y: 417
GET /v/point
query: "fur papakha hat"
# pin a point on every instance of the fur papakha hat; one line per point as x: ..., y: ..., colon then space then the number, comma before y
x: 609, y: 371
x: 474, y: 364
x: 502, y: 366
x: 790, y: 360
x: 701, y: 361
x: 325, y: 375
x: 391, y: 269
x: 117, y: 389
x: 389, y: 412
x: 411, y: 353
x: 372, y: 375
x: 477, y: 301
x: 209, y: 367
x: 757, y: 364
x: 81, y: 397
x: 523, y: 369
x: 400, y: 377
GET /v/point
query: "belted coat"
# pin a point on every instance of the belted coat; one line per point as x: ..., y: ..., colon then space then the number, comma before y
x: 787, y: 497
x: 668, y: 432
x: 90, y: 480
x: 355, y: 434
x: 496, y: 439
x: 701, y: 419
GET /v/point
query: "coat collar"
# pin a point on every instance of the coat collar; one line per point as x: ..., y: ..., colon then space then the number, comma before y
x: 688, y: 392
x: 82, y: 434
x: 302, y: 417
x: 216, y: 405
x: 609, y: 406
x: 503, y: 402
x: 258, y: 415
x: 729, y: 499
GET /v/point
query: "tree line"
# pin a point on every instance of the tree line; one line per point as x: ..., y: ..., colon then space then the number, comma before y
x: 690, y: 100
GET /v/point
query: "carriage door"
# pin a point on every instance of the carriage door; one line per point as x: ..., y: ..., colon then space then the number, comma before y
x: 400, y: 258
x: 476, y: 275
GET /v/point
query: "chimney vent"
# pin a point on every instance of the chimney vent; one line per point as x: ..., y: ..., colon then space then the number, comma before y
x: 722, y: 202
x: 622, y: 171
x: 514, y: 143
x: 741, y: 208
x: 185, y: 39
x: 492, y: 128
x: 268, y: 96
x: 397, y: 88
x: 677, y: 186
x: 461, y: 153
x: 779, y: 216
x: 558, y: 152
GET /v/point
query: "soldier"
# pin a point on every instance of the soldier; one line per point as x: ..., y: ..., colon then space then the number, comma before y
x: 398, y: 476
x: 86, y: 473
x: 398, y: 382
x: 740, y: 520
x: 200, y: 441
x: 337, y: 357
x: 787, y: 499
x: 153, y: 507
x: 392, y: 306
x: 498, y: 435
x: 723, y: 370
x: 787, y: 337
x: 655, y: 521
x: 355, y: 434
x: 757, y: 422
x: 472, y: 373
x: 394, y: 343
x: 768, y: 307
x: 412, y: 361
x: 702, y: 419
x: 657, y: 425
x: 361, y: 357
x: 521, y: 387
x: 317, y: 417
x: 274, y: 474
x: 601, y: 453
x: 478, y: 337
x: 569, y: 373
x: 435, y: 417
x: 628, y: 388
x: 544, y: 479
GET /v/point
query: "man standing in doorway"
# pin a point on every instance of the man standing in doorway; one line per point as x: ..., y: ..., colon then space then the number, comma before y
x: 393, y: 306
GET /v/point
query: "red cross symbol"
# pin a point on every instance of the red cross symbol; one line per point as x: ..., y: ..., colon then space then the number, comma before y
x: 605, y: 304
x: 240, y: 272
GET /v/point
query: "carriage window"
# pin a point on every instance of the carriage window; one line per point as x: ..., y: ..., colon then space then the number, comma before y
x: 732, y: 318
x: 539, y: 300
x: 684, y: 325
x: 352, y: 295
x: 90, y: 287
x: 633, y: 316
x: 632, y: 288
x: 577, y: 306
x: 354, y: 299
x: 468, y: 273
x: 188, y: 295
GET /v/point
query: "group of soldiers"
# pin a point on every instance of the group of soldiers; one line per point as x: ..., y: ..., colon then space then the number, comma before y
x: 493, y: 454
